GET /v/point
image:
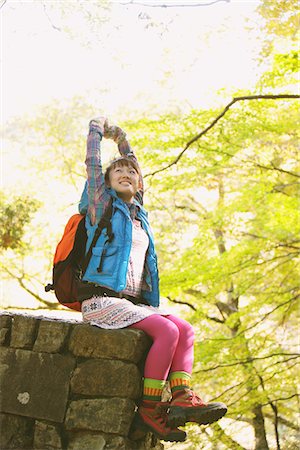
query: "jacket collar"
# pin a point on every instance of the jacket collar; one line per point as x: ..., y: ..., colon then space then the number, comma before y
x: 132, y: 210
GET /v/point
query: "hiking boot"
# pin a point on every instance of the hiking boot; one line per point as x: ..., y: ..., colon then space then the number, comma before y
x: 186, y: 406
x: 152, y: 417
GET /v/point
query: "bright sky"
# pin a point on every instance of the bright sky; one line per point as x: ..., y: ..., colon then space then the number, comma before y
x: 190, y: 54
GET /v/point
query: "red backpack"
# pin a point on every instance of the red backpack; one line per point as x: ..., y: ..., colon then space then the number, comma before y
x: 71, y: 260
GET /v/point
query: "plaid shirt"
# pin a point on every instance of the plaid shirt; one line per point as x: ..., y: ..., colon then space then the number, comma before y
x: 98, y: 193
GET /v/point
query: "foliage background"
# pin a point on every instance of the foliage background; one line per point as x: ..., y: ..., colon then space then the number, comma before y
x: 225, y: 211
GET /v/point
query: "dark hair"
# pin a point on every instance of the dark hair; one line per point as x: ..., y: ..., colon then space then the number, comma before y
x: 121, y: 161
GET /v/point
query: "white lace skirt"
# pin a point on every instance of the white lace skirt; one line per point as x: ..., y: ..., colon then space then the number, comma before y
x: 113, y: 313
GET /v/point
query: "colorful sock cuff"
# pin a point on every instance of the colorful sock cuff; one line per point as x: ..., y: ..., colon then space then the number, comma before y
x: 181, y: 374
x: 157, y: 384
x: 153, y: 389
x: 179, y: 380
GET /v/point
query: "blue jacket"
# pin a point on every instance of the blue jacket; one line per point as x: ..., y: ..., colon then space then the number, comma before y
x: 114, y: 256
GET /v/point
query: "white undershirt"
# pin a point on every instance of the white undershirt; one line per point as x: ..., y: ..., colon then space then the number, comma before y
x: 140, y: 242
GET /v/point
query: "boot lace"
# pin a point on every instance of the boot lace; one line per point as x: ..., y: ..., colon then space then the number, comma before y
x: 195, y: 399
x: 161, y: 413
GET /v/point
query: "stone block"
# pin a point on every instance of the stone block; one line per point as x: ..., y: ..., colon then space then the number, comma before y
x: 112, y: 415
x: 5, y: 328
x: 148, y: 442
x: 46, y: 436
x: 119, y: 443
x: 16, y: 432
x: 90, y: 341
x: 35, y: 384
x: 109, y: 378
x: 5, y: 320
x: 87, y: 441
x: 23, y: 332
x: 4, y: 336
x: 51, y: 336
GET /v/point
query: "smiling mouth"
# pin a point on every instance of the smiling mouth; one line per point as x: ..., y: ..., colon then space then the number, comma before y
x: 125, y: 182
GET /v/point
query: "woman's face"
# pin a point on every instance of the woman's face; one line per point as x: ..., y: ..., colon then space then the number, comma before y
x: 125, y: 181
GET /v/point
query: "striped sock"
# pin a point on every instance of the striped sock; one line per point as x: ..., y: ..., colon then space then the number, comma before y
x: 179, y: 381
x: 153, y: 389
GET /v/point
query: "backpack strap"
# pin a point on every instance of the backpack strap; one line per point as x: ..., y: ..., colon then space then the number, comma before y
x: 105, y: 222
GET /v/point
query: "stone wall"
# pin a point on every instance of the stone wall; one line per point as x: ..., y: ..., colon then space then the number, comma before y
x: 69, y: 385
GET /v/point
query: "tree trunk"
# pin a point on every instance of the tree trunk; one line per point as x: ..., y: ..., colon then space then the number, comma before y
x: 259, y: 429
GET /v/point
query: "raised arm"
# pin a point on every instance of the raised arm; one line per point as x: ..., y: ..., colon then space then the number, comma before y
x: 98, y: 196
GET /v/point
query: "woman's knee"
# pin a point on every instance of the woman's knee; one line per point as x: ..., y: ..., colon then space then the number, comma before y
x: 167, y: 330
x: 157, y: 327
x: 186, y: 331
x: 171, y: 332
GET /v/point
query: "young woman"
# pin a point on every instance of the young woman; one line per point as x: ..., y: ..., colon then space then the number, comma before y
x: 123, y: 276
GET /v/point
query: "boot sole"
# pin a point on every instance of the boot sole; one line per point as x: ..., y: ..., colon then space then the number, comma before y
x: 139, y: 429
x: 179, y: 416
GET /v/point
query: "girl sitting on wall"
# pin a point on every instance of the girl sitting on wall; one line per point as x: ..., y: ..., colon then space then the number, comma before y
x: 123, y: 276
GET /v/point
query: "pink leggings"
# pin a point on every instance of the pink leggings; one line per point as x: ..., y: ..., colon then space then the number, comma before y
x: 173, y: 345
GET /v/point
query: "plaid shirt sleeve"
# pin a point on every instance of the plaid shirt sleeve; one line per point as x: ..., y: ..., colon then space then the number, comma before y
x: 98, y: 197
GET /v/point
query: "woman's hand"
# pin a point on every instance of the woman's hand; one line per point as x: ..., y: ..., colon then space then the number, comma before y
x: 101, y: 122
x: 115, y: 133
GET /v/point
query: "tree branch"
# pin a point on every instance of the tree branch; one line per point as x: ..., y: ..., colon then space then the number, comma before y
x: 233, y: 390
x: 261, y: 166
x: 180, y: 302
x: 250, y: 361
x: 251, y: 388
x: 48, y: 17
x: 216, y: 120
x: 20, y: 280
x: 215, y: 319
x: 284, y: 422
x: 50, y: 305
x: 281, y: 399
x: 290, y: 300
x: 164, y: 5
x: 245, y: 410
